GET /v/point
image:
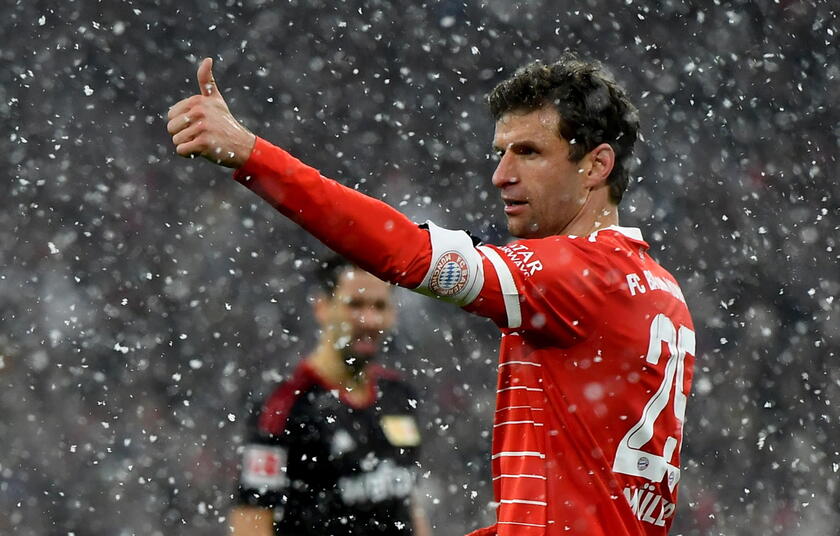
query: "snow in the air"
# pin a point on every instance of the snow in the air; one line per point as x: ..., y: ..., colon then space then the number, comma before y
x: 147, y: 301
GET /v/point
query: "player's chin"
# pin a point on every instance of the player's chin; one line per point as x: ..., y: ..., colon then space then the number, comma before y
x: 521, y: 228
x: 516, y: 228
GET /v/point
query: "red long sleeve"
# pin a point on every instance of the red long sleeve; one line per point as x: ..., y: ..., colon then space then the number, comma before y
x: 368, y: 232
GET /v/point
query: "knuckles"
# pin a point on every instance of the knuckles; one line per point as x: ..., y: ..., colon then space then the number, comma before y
x: 197, y: 112
x: 195, y: 122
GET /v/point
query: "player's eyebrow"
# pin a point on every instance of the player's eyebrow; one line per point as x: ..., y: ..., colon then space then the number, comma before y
x: 514, y: 145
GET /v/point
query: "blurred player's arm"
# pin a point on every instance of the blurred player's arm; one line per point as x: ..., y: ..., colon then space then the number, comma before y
x: 262, y: 482
x: 419, y: 519
x: 251, y: 521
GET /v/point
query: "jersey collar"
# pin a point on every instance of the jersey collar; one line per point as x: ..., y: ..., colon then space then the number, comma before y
x: 633, y: 233
x: 371, y: 394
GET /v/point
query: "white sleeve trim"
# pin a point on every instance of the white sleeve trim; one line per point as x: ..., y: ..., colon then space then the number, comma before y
x: 506, y: 282
x: 456, y: 273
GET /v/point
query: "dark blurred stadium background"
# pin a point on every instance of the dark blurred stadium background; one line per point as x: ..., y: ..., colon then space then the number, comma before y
x: 146, y: 299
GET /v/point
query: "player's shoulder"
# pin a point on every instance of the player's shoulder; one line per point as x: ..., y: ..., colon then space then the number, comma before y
x: 652, y: 276
x: 301, y: 380
x: 644, y: 274
x: 277, y: 407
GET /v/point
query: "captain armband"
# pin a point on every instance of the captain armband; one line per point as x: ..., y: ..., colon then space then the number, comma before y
x: 456, y: 272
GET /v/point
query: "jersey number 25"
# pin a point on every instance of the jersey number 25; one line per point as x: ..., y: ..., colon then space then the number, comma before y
x: 631, y: 458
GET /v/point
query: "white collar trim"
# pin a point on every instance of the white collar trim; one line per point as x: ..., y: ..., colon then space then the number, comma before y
x: 633, y: 233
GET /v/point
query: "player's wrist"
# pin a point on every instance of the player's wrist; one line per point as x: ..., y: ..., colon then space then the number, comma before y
x: 249, y: 142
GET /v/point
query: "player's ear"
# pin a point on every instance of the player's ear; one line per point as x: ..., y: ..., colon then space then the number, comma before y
x: 599, y: 164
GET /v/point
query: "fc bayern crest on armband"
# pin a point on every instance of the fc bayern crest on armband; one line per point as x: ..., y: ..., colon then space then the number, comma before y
x: 450, y: 274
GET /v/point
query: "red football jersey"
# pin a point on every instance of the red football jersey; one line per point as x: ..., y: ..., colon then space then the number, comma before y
x: 596, y: 355
x: 595, y: 365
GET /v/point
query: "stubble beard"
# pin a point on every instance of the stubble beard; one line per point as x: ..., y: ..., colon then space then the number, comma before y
x: 357, y: 362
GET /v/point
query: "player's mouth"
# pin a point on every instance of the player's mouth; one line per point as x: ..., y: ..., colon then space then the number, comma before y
x: 365, y: 344
x: 514, y: 206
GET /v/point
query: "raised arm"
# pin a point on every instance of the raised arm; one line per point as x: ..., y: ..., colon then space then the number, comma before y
x: 428, y: 259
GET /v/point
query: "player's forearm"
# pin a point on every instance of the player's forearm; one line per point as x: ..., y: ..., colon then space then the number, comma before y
x: 251, y: 521
x: 420, y: 521
x: 367, y: 231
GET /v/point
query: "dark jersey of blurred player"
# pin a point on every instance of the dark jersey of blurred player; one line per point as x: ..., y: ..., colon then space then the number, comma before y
x: 596, y: 354
x: 333, y: 450
x: 327, y: 465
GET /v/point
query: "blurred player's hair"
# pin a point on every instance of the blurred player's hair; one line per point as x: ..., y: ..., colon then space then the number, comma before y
x: 330, y: 269
x: 593, y: 109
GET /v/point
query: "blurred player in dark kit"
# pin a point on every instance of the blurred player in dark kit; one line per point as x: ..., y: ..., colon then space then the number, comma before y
x: 597, y: 345
x: 334, y: 449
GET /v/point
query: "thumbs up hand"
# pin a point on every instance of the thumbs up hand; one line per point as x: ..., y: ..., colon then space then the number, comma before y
x: 202, y: 125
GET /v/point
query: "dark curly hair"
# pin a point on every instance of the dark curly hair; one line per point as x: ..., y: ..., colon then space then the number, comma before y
x: 593, y: 109
x: 330, y: 269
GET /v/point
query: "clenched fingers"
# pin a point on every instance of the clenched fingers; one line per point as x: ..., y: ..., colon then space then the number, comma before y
x: 186, y: 134
x: 191, y: 147
x: 201, y: 146
x: 183, y: 106
x: 179, y: 123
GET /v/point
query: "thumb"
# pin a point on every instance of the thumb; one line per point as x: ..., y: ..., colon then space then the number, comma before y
x: 206, y: 82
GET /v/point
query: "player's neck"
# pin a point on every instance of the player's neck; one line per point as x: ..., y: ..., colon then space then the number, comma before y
x: 330, y: 365
x: 592, y: 217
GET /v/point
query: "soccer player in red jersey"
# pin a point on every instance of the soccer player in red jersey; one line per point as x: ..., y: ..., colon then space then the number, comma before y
x: 597, y: 345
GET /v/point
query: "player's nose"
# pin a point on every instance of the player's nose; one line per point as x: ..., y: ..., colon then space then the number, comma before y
x: 505, y: 172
